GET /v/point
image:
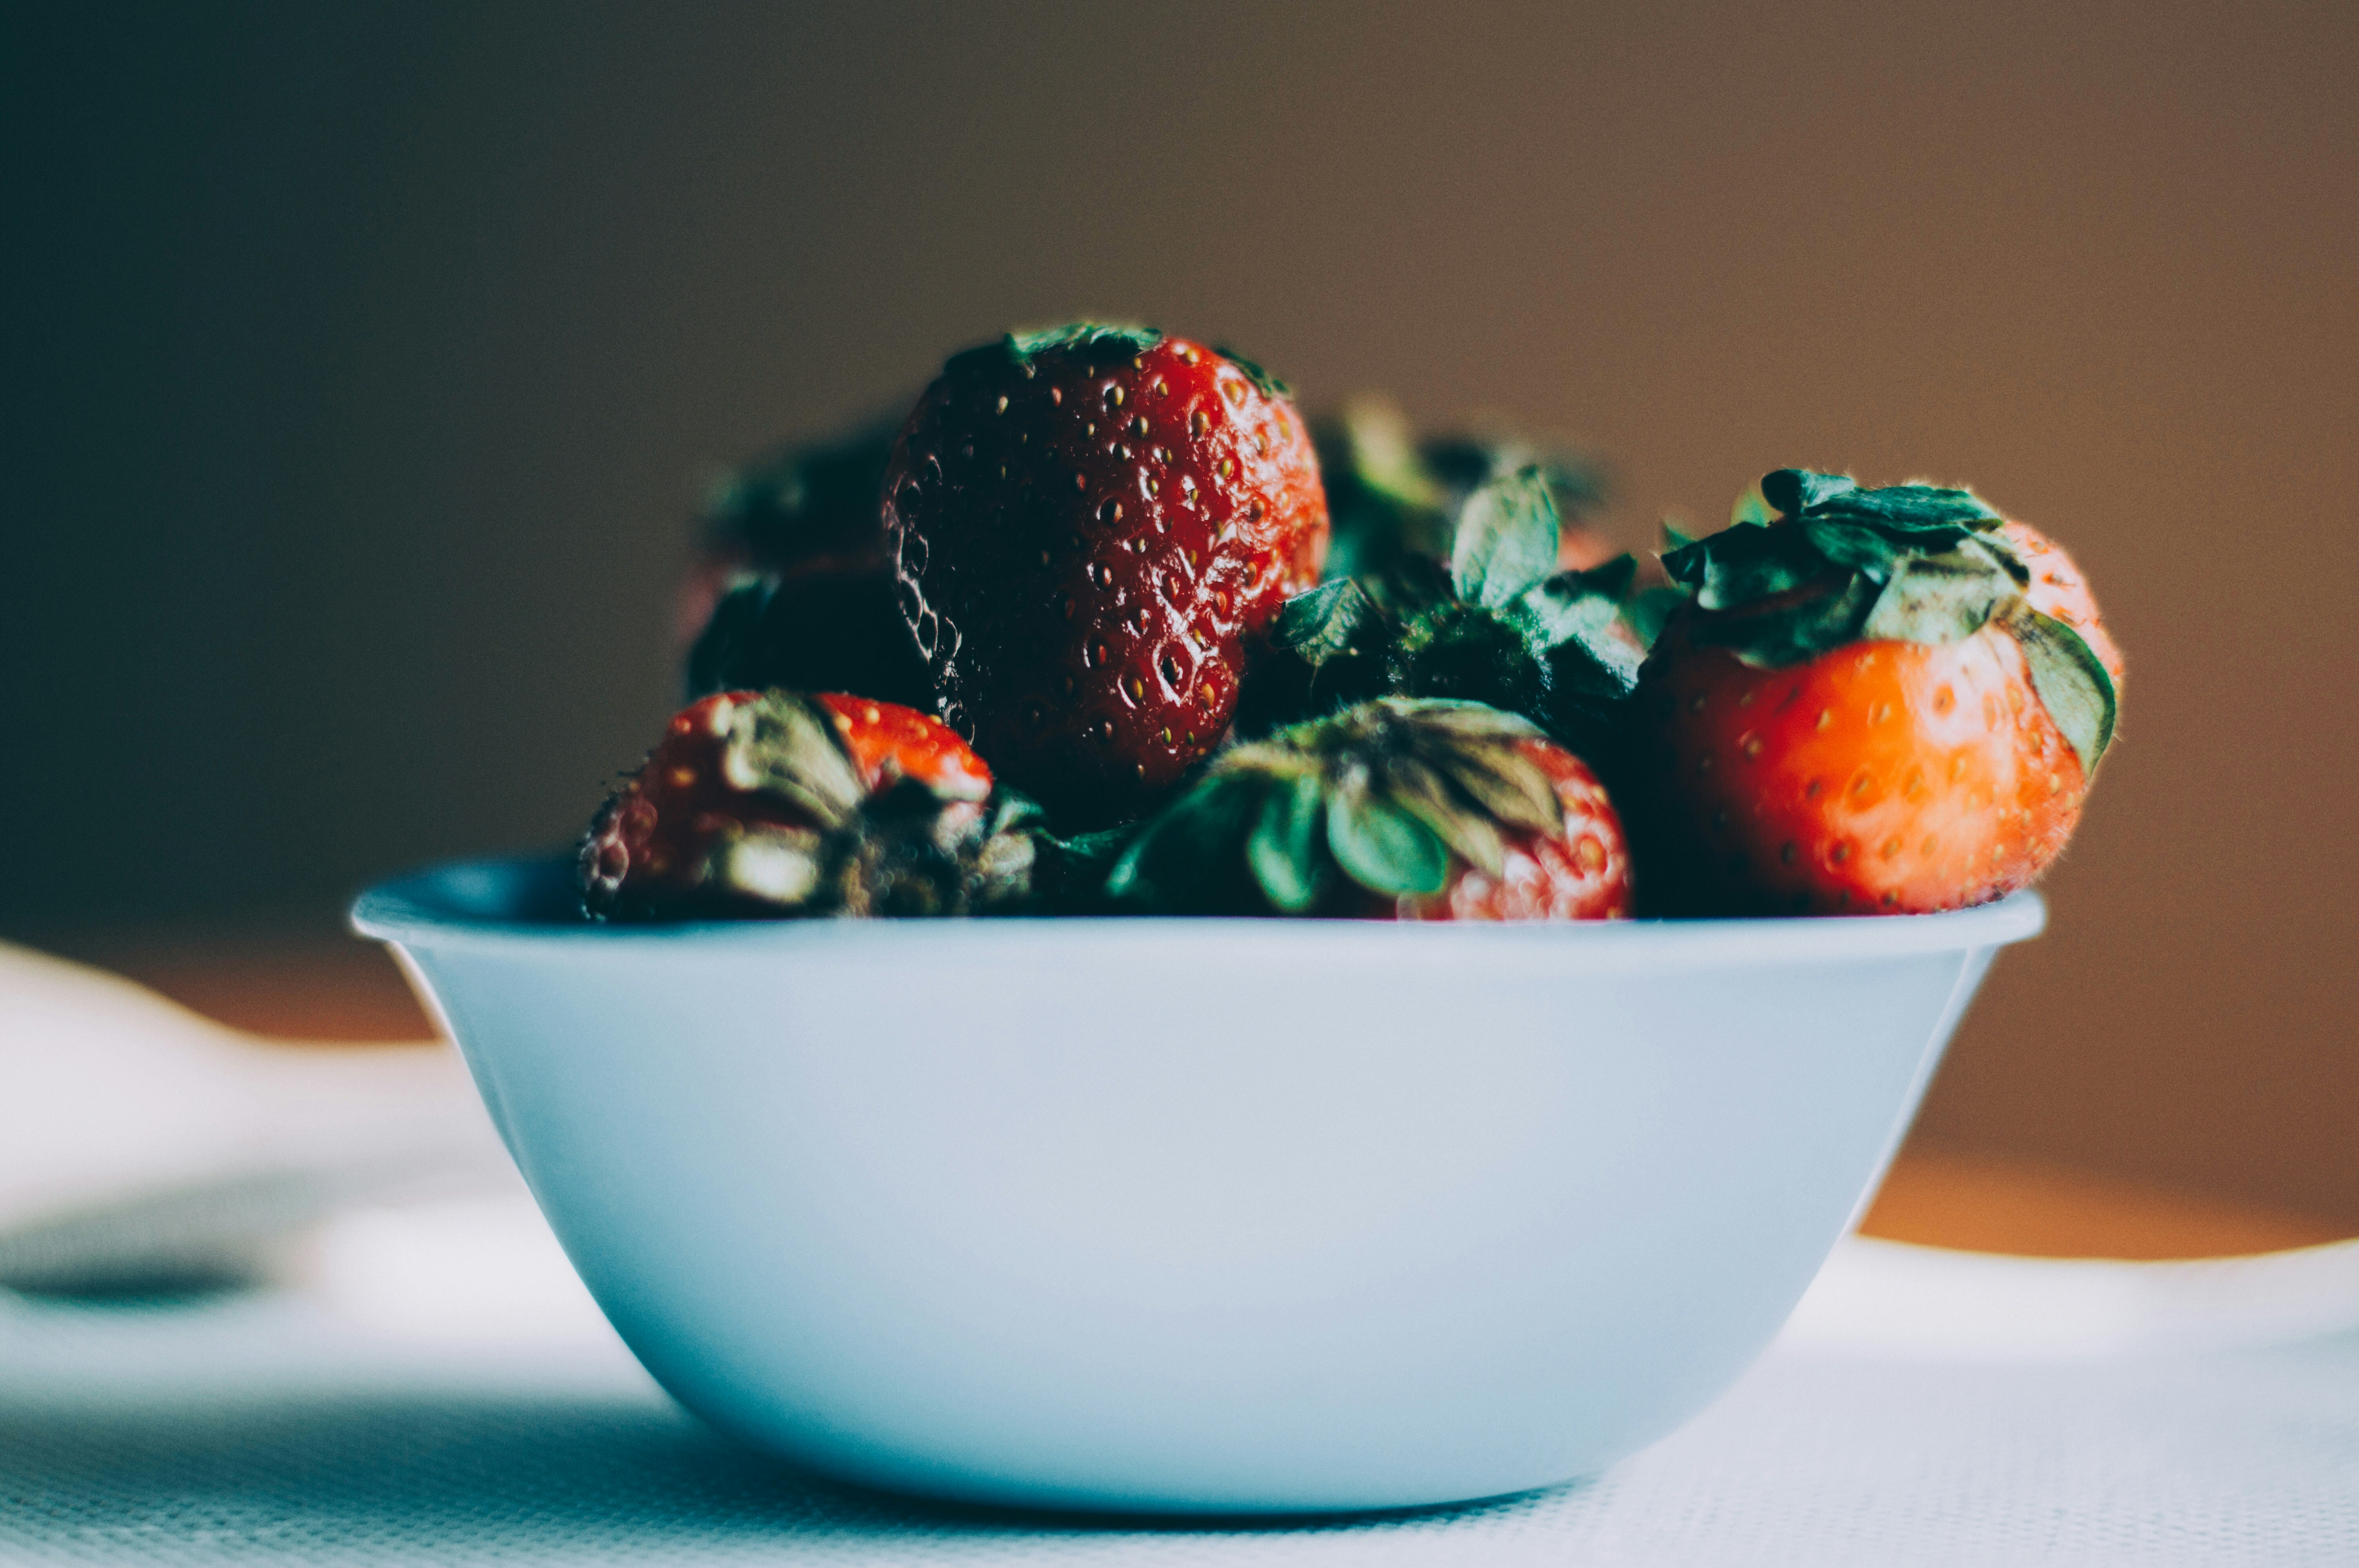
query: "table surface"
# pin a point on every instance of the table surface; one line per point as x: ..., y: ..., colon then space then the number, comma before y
x: 330, y: 990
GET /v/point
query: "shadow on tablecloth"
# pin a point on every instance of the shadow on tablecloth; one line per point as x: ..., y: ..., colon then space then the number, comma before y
x: 446, y: 1477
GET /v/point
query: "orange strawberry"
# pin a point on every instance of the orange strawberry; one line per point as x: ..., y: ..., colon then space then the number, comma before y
x: 1879, y: 700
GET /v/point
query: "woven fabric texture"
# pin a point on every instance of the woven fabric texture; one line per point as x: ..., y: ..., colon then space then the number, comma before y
x: 264, y: 1428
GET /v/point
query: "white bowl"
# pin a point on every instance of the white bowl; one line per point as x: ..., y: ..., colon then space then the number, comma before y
x: 1194, y: 1215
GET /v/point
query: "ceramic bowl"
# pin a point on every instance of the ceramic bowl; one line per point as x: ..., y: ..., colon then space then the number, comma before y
x: 1191, y: 1216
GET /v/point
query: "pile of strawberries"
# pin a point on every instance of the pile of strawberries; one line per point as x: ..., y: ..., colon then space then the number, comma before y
x: 1105, y: 627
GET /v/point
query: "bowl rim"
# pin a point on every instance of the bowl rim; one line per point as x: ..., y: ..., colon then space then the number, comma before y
x: 429, y: 908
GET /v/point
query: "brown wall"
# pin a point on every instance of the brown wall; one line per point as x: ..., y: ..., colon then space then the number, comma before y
x: 370, y: 360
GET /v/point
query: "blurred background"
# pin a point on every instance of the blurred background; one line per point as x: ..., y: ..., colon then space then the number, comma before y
x: 368, y: 363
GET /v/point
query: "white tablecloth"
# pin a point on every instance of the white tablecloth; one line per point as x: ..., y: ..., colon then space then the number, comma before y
x: 319, y: 1425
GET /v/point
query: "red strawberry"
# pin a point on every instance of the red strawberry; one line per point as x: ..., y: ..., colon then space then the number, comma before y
x: 1581, y: 874
x: 1091, y: 523
x: 1420, y: 810
x: 773, y: 803
x: 1880, y: 700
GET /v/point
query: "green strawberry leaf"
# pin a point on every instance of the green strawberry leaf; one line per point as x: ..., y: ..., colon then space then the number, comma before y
x: 1502, y: 782
x: 1175, y: 862
x: 1849, y: 544
x: 1382, y: 848
x: 1745, y: 565
x: 1938, y: 599
x: 1283, y: 849
x: 1421, y: 792
x: 785, y: 746
x: 1910, y: 509
x: 1565, y: 612
x: 1321, y: 622
x: 1612, y: 578
x: 1646, y: 611
x: 1128, y: 337
x: 1793, y: 633
x: 1268, y: 384
x: 1021, y: 347
x: 2071, y: 682
x: 1791, y: 493
x: 1507, y: 540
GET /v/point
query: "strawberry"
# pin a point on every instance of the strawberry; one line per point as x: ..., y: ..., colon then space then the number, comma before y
x: 794, y: 586
x: 1090, y: 524
x: 1414, y: 810
x: 1878, y: 700
x: 773, y: 803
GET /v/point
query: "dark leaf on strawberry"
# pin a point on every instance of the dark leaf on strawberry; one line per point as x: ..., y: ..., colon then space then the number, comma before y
x: 1793, y: 491
x: 2071, y: 680
x: 1573, y: 612
x: 1851, y: 546
x: 1647, y: 610
x: 1321, y: 622
x: 1613, y: 579
x: 788, y: 747
x: 1429, y: 797
x: 1908, y: 508
x: 1745, y: 564
x: 1506, y: 540
x: 1382, y: 848
x: 1905, y: 509
x: 1509, y: 793
x: 1270, y: 385
x: 1794, y: 630
x: 1284, y: 847
x: 1122, y: 338
x: 1165, y: 867
x: 1464, y: 464
x: 1938, y: 599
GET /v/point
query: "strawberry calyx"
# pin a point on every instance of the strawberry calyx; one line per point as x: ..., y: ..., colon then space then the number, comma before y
x: 1499, y: 624
x: 1812, y: 562
x: 1386, y: 799
x: 1264, y: 383
x: 778, y: 813
x: 1021, y: 347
